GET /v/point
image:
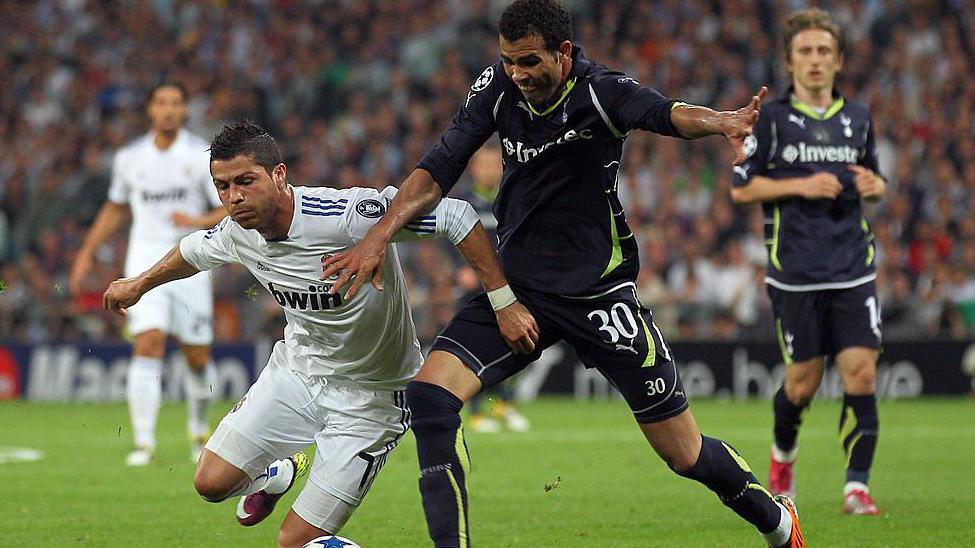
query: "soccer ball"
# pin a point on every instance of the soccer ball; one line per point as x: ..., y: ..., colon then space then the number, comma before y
x: 330, y: 541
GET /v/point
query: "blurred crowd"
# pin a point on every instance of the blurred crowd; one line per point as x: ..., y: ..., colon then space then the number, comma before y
x: 356, y: 90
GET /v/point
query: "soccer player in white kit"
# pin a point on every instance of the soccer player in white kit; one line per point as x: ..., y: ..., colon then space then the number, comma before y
x: 338, y: 377
x: 163, y: 178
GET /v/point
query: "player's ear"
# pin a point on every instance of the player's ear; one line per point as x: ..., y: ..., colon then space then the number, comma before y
x: 565, y: 48
x: 279, y: 174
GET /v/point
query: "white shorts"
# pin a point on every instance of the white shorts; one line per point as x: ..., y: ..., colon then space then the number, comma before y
x: 353, y: 428
x: 182, y: 308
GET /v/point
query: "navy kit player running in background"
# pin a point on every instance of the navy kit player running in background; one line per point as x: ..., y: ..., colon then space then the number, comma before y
x: 811, y: 164
x: 568, y: 255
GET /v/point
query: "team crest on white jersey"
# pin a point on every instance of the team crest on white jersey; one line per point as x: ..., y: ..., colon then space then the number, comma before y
x: 370, y: 208
x: 484, y: 80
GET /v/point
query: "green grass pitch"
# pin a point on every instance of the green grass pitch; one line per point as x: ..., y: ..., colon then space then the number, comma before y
x: 583, y: 476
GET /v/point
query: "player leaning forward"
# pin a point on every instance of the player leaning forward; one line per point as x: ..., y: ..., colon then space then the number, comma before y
x: 338, y: 377
x: 570, y: 256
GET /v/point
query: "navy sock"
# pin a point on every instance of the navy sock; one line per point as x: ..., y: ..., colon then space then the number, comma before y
x: 724, y: 471
x: 859, y: 426
x: 788, y: 417
x: 444, y: 462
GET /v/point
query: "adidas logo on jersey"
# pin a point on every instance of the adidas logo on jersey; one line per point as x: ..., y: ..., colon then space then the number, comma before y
x: 820, y: 153
x: 317, y: 298
x: 261, y: 266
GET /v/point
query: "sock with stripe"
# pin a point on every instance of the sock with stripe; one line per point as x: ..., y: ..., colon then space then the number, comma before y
x: 859, y: 426
x: 724, y: 471
x: 143, y: 389
x: 788, y: 417
x: 444, y: 462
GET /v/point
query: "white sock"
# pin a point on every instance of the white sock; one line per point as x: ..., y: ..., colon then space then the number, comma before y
x: 784, y: 456
x: 852, y: 486
x: 275, y: 479
x: 198, y: 388
x: 144, y: 392
x: 780, y: 535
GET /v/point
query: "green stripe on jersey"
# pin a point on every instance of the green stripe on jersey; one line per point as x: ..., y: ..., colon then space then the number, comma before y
x: 616, y: 258
x: 774, y: 252
x: 810, y: 112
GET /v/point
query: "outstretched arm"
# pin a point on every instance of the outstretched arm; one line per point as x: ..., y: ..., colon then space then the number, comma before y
x: 418, y: 193
x: 125, y: 292
x: 736, y: 125
x: 110, y: 218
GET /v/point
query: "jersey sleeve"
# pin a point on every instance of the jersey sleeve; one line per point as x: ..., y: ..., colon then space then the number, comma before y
x: 870, y: 160
x: 451, y: 219
x: 624, y: 104
x: 206, y: 249
x: 758, y: 150
x: 118, y: 191
x: 467, y: 131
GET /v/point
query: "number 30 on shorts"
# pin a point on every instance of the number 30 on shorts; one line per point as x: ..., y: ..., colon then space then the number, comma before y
x: 618, y: 321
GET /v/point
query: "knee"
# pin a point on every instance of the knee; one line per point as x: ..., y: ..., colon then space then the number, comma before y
x: 861, y: 379
x: 432, y: 406
x: 682, y: 463
x: 197, y: 357
x: 150, y: 343
x: 800, y: 392
x: 210, y: 486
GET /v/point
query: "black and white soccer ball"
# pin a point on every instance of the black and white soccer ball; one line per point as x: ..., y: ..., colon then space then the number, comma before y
x: 330, y: 541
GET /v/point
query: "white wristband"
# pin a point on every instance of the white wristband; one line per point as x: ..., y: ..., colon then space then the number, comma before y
x: 501, y: 297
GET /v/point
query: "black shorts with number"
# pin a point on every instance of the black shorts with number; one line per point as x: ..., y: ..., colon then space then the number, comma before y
x: 809, y: 324
x: 610, y: 331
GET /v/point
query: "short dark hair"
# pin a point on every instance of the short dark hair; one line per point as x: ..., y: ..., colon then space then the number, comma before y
x: 544, y: 18
x: 245, y: 138
x: 168, y: 84
x: 812, y: 18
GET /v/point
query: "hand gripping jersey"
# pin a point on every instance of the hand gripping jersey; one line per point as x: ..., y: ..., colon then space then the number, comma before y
x: 814, y: 244
x: 561, y: 227
x: 369, y: 340
x: 157, y: 183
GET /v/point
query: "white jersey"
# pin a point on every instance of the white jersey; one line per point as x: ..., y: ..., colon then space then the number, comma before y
x: 370, y: 340
x: 157, y: 183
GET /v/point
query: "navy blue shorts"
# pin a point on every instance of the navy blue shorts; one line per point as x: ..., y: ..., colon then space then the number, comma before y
x: 610, y: 331
x: 810, y: 324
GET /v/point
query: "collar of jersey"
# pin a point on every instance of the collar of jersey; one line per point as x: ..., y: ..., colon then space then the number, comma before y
x: 565, y: 93
x: 804, y: 108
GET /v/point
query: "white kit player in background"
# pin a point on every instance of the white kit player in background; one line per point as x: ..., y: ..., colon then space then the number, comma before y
x: 164, y: 179
x: 337, y: 379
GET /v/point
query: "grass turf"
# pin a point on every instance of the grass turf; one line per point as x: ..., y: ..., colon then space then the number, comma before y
x: 583, y: 475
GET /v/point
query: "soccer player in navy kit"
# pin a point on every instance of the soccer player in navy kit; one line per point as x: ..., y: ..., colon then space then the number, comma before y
x: 570, y: 258
x: 811, y: 163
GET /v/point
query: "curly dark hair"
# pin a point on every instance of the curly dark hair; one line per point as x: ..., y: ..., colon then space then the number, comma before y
x: 544, y: 18
x: 248, y: 139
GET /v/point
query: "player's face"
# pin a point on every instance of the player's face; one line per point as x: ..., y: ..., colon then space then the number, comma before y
x: 167, y: 109
x: 536, y: 71
x: 814, y: 60
x: 248, y: 192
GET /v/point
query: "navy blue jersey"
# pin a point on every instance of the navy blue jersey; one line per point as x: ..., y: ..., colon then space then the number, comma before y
x: 561, y: 227
x: 823, y: 243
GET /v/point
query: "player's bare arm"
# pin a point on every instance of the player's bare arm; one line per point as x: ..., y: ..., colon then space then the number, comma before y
x: 364, y: 260
x: 822, y: 185
x: 125, y: 292
x: 206, y: 221
x: 517, y: 325
x: 110, y: 217
x: 736, y: 125
x: 870, y: 185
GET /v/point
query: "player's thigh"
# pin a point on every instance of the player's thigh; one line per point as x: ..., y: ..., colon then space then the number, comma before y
x: 276, y: 418
x: 855, y: 318
x: 800, y: 324
x: 151, y: 313
x: 362, y: 427
x: 474, y: 338
x: 192, y: 309
x: 615, y: 334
